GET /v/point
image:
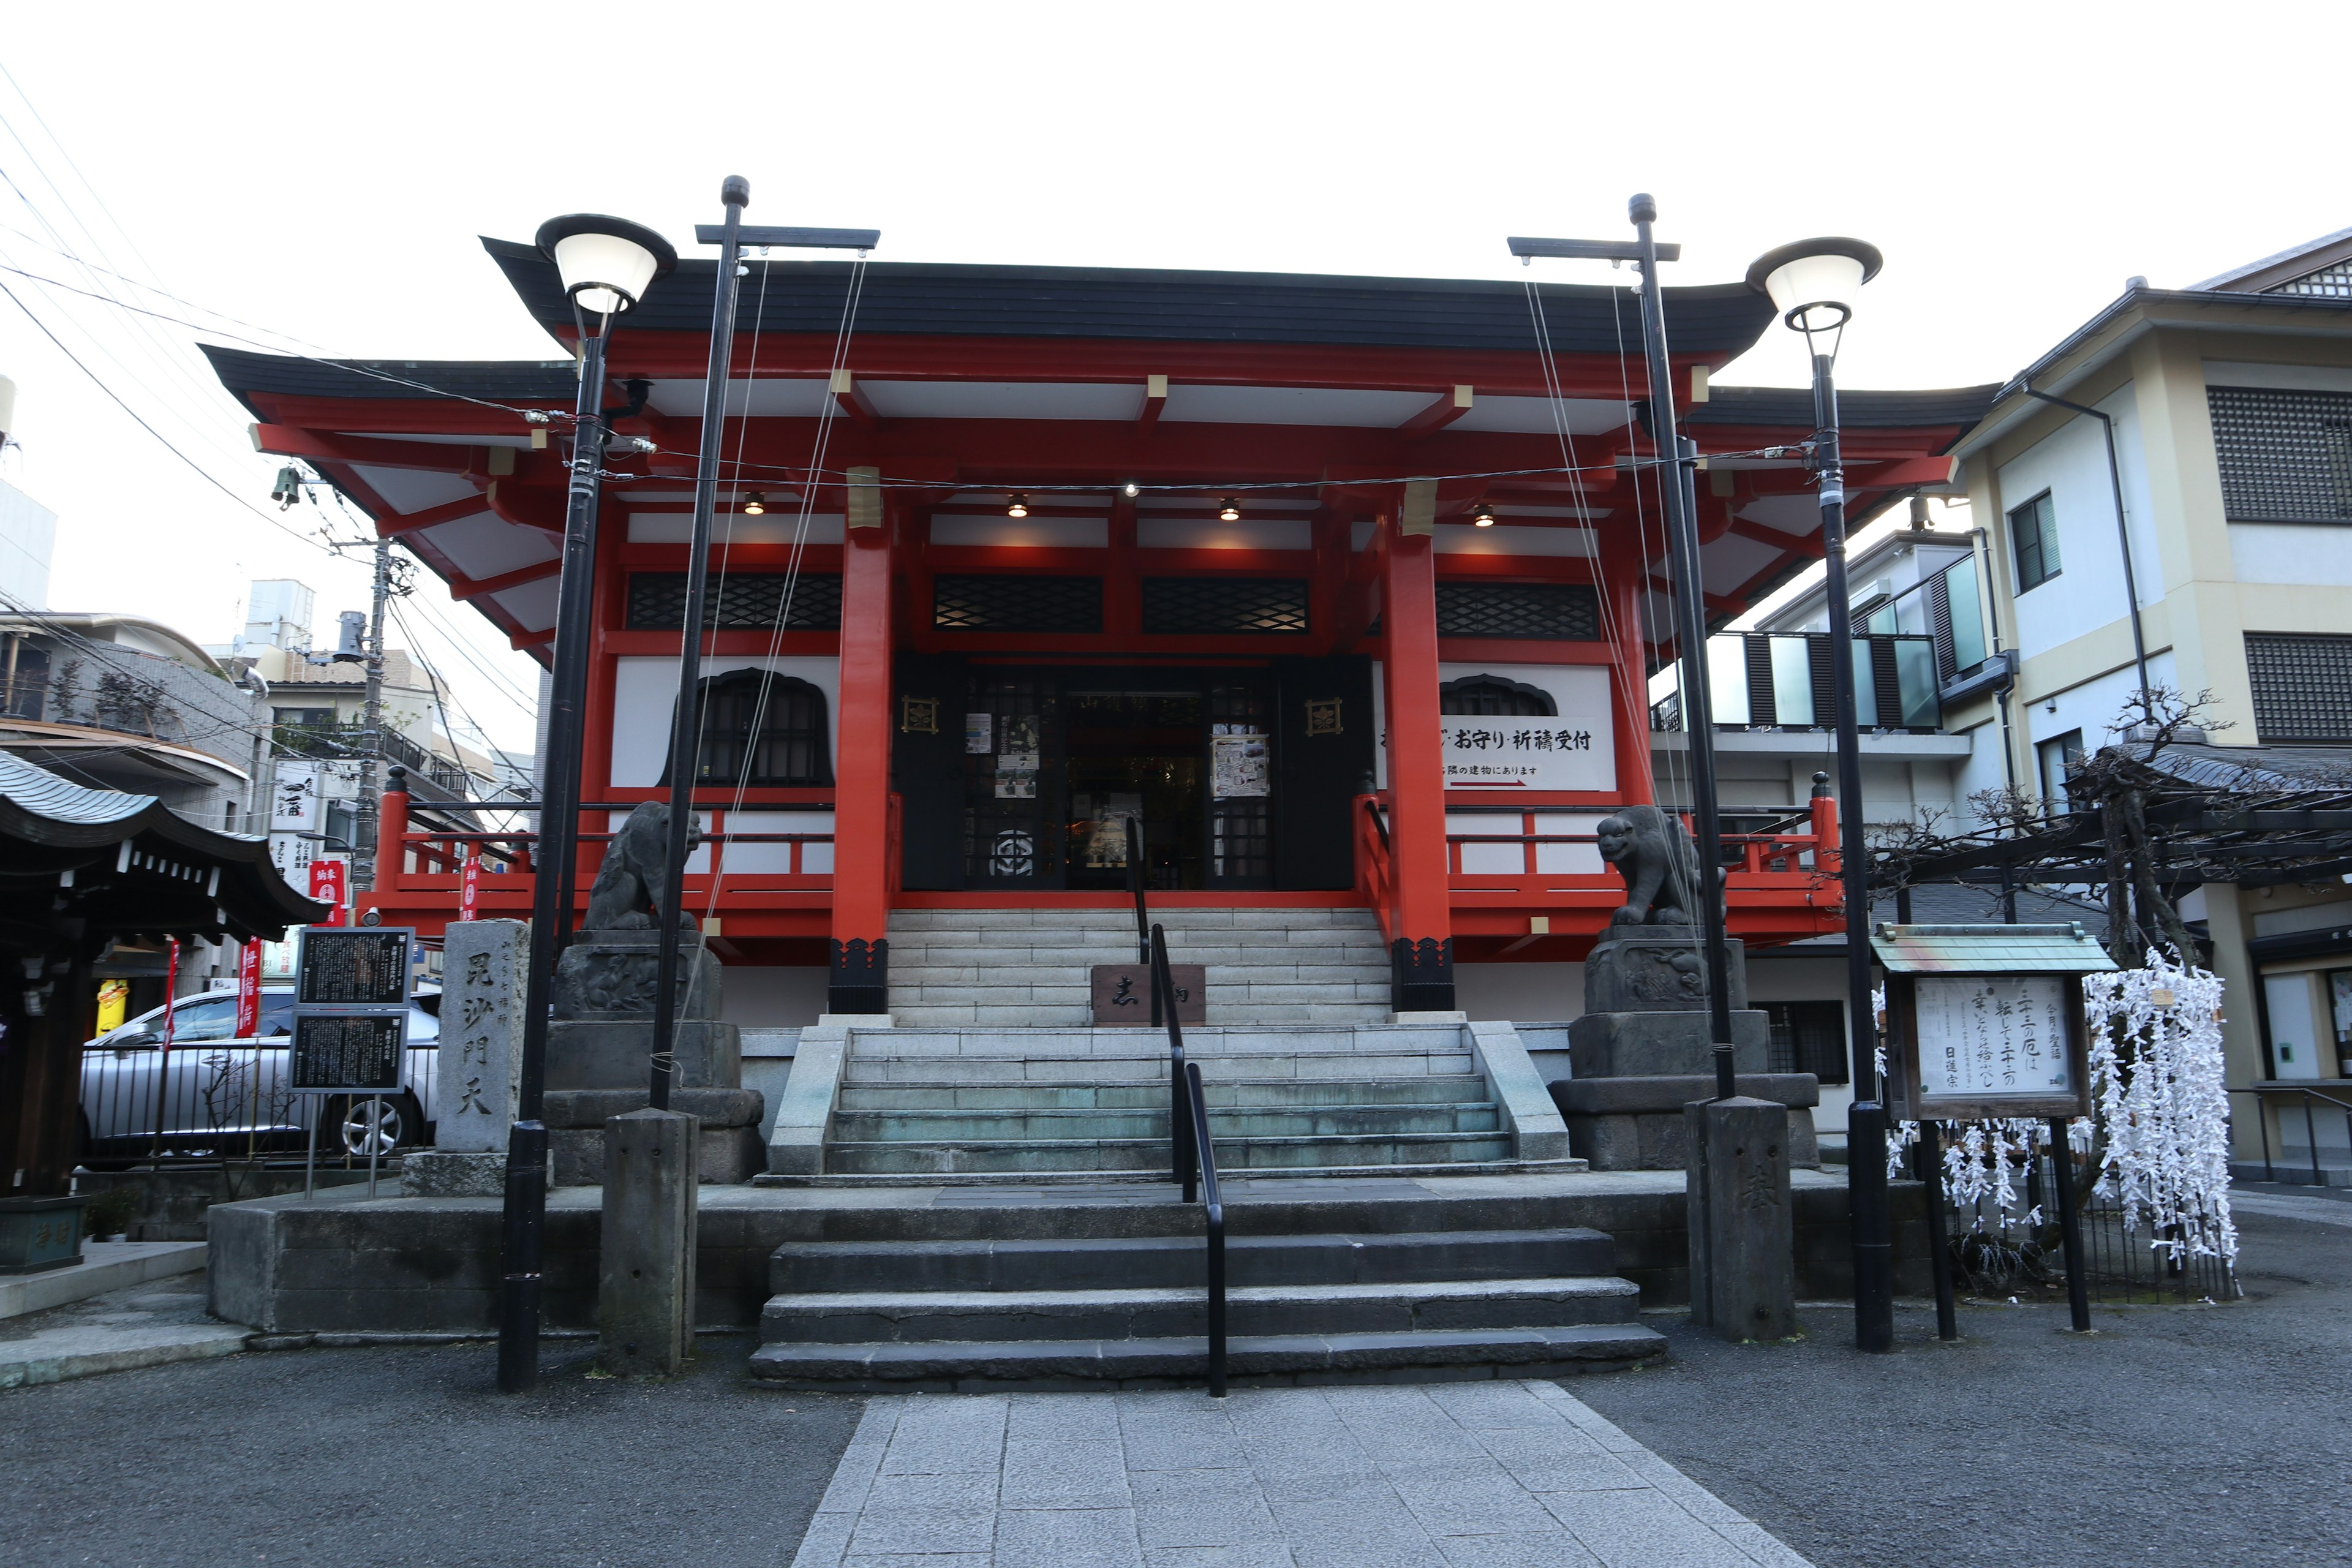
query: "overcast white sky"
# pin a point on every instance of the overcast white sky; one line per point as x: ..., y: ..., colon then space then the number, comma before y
x: 322, y: 172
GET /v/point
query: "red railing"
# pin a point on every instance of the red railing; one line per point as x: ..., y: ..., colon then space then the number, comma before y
x: 1532, y: 864
x: 742, y: 852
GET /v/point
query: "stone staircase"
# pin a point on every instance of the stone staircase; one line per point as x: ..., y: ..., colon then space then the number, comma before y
x: 1013, y: 1105
x: 1028, y: 967
x: 1091, y: 1287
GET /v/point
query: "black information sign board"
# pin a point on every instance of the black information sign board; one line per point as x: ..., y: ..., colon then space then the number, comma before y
x: 358, y: 967
x: 354, y: 1053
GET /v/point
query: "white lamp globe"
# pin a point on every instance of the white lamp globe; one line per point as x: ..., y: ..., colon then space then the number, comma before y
x: 606, y: 263
x: 1813, y: 282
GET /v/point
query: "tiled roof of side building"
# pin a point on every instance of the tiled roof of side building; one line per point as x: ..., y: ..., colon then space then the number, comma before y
x: 1962, y: 406
x: 1166, y: 305
x: 525, y: 381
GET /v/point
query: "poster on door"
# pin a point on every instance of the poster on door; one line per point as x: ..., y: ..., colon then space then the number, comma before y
x: 1237, y: 765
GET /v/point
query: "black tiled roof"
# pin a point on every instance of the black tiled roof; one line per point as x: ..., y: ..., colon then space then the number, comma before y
x: 498, y: 381
x: 1961, y: 405
x: 1138, y: 304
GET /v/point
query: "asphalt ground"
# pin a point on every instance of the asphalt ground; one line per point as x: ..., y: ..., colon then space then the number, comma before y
x: 2204, y: 1436
x: 2191, y: 1435
x: 408, y: 1455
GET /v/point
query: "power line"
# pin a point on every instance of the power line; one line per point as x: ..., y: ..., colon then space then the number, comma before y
x: 141, y: 420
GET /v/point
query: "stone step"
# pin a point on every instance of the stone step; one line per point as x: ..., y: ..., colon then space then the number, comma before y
x: 1042, y: 1154
x: 1274, y: 1358
x: 1534, y: 1197
x: 1223, y: 1094
x: 1086, y: 1122
x: 1227, y: 967
x: 1018, y: 1015
x: 885, y: 1070
x: 1390, y: 1307
x: 1171, y: 919
x: 1213, y: 1041
x: 1174, y: 1261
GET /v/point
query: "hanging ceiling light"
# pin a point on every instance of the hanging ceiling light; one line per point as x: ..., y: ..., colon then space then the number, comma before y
x: 1016, y: 505
x: 1482, y: 516
x: 754, y: 504
x: 1230, y: 511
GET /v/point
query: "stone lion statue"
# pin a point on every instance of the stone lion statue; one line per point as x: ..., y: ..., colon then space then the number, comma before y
x: 1659, y: 863
x: 627, y: 894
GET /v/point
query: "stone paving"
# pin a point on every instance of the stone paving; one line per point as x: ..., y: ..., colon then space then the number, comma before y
x: 1458, y: 1475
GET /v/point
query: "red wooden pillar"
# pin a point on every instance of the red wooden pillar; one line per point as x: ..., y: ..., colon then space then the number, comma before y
x: 858, y: 980
x: 1621, y: 583
x: 1422, y: 925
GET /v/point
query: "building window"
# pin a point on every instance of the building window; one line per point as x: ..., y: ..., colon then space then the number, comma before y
x: 759, y: 600
x: 1010, y: 603
x: 762, y: 730
x: 2034, y: 529
x: 307, y: 717
x: 1808, y: 1037
x: 1210, y: 606
x: 2303, y: 685
x: 1490, y: 696
x: 2055, y: 757
x: 2284, y: 457
x: 1569, y: 611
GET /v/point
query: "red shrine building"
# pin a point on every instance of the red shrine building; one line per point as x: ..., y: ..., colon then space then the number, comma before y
x: 1344, y: 590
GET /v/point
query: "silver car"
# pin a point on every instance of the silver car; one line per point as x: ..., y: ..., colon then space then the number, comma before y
x: 223, y: 1097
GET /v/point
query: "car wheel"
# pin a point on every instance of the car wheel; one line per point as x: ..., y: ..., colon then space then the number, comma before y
x: 360, y: 1125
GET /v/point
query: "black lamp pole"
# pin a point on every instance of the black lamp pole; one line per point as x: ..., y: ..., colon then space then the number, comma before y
x: 1809, y: 283
x: 1865, y: 1126
x: 559, y: 832
x: 686, y: 728
x: 613, y: 261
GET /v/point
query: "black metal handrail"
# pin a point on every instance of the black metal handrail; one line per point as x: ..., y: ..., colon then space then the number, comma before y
x: 2310, y: 1130
x: 1193, y: 1153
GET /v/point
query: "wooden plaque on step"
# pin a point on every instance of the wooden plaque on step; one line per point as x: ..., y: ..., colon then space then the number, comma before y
x: 1123, y: 992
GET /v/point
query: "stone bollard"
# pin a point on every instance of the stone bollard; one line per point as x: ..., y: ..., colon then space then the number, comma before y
x: 645, y: 1293
x: 1742, y: 1240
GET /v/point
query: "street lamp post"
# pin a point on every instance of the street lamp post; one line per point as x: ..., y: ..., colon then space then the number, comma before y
x: 1812, y: 284
x: 606, y: 264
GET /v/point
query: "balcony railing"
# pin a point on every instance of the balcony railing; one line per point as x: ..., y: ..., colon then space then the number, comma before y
x: 1782, y: 680
x: 349, y: 742
x: 1946, y: 609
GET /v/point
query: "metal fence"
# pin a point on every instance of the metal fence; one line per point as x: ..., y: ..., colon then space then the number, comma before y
x: 2023, y: 1257
x: 204, y: 1102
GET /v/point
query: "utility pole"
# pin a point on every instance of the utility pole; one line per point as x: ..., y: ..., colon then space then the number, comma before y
x: 363, y: 852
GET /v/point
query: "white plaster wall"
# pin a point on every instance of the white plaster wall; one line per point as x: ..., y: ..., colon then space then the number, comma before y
x: 2095, y: 707
x: 1984, y: 770
x: 646, y: 689
x: 2305, y: 554
x: 2072, y: 465
x: 777, y: 996
x: 1519, y: 992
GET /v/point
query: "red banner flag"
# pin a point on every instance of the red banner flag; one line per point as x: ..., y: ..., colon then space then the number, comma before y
x: 248, y: 990
x: 469, y: 887
x: 327, y: 887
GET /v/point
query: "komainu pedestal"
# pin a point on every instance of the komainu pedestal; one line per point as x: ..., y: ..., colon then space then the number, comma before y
x: 1642, y: 1050
x: 600, y: 1050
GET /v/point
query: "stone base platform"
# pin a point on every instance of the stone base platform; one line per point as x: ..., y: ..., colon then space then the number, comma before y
x: 729, y: 1153
x: 1636, y: 1123
x: 345, y: 1263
